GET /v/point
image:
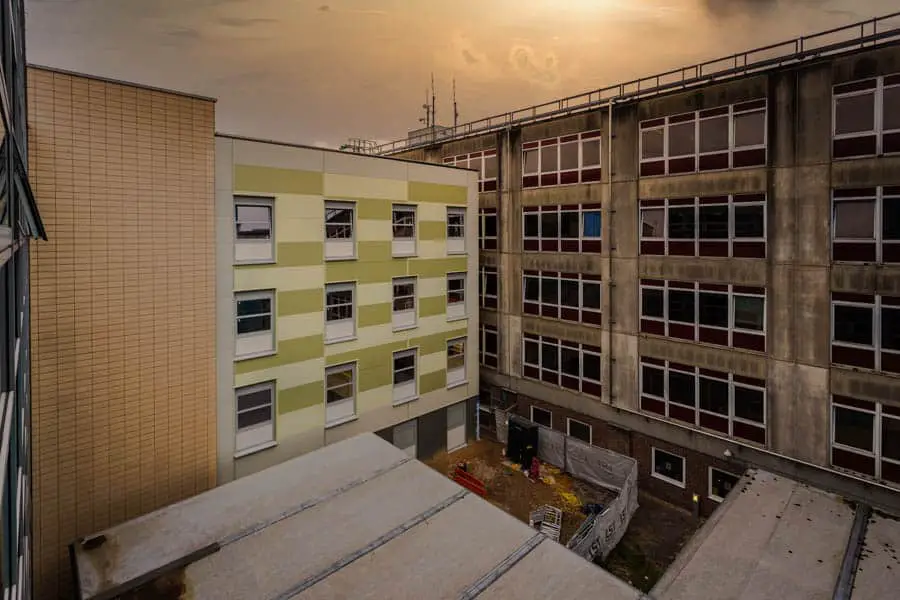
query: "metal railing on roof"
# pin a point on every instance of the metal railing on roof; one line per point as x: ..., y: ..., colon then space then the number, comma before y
x: 869, y: 33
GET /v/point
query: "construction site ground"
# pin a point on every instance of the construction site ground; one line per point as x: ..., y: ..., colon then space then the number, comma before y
x: 509, y: 489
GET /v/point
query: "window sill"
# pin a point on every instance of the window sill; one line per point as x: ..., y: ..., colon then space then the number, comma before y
x: 340, y: 422
x: 458, y: 253
x: 341, y: 340
x: 668, y: 480
x: 404, y: 402
x: 716, y: 499
x: 255, y: 449
x: 460, y: 318
x: 410, y: 255
x: 244, y: 357
x: 456, y: 384
x: 405, y: 328
x: 255, y: 263
x: 340, y: 258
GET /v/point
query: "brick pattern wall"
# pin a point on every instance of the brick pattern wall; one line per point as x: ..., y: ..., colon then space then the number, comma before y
x: 123, y: 308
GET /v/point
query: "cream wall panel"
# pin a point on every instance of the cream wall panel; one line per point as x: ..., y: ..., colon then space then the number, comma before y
x: 359, y: 165
x: 429, y: 363
x: 374, y: 230
x: 429, y: 249
x: 428, y: 173
x: 279, y: 278
x: 351, y: 186
x: 374, y: 293
x: 299, y: 206
x: 432, y: 286
x: 289, y: 327
x: 384, y: 334
x: 442, y: 398
x: 287, y: 376
x: 300, y: 422
x: 432, y: 211
x: 289, y: 229
x: 279, y: 156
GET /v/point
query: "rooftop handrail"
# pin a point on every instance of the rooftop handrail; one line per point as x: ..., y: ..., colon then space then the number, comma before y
x: 793, y: 50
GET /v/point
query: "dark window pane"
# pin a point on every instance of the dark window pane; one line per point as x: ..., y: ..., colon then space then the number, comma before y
x: 651, y: 303
x: 749, y: 404
x: 257, y: 306
x: 749, y: 221
x: 714, y: 396
x: 570, y: 362
x: 531, y: 161
x: 854, y: 219
x: 854, y: 114
x: 533, y: 289
x: 254, y: 417
x: 590, y: 152
x: 591, y: 295
x: 490, y: 167
x: 714, y: 222
x: 550, y: 225
x: 653, y: 222
x: 405, y: 361
x: 580, y: 431
x: 681, y: 306
x: 668, y: 465
x: 249, y: 400
x: 568, y: 156
x: 890, y: 437
x: 721, y: 483
x: 714, y: 134
x: 549, y: 290
x: 854, y: 428
x: 541, y: 416
x: 713, y: 309
x: 253, y: 324
x: 490, y: 342
x: 549, y: 159
x: 532, y: 352
x: 590, y: 366
x: 490, y: 284
x: 891, y: 104
x: 568, y: 293
x: 490, y: 226
x: 653, y: 381
x: 681, y: 139
x: 550, y: 356
x: 681, y: 388
x: 532, y: 225
x: 749, y: 129
x: 853, y: 324
x: 890, y: 223
x: 890, y: 328
x: 681, y: 223
x: 568, y: 225
x: 652, y: 143
x: 749, y: 312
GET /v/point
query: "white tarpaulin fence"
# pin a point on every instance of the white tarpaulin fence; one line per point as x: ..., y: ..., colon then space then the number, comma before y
x: 599, y: 534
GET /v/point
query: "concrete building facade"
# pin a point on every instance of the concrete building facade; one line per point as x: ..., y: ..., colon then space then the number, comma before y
x: 346, y: 302
x: 123, y: 305
x: 706, y: 275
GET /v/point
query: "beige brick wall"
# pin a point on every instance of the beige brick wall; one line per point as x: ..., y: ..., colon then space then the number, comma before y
x: 123, y: 308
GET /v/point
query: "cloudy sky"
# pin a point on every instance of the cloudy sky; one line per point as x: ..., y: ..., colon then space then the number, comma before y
x: 320, y: 71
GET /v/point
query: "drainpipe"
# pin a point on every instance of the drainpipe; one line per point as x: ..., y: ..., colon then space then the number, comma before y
x: 609, y: 248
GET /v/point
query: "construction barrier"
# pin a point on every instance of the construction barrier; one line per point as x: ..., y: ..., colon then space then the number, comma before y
x: 599, y: 534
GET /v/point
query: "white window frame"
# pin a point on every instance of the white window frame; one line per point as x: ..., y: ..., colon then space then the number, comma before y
x: 405, y: 391
x: 485, y: 272
x: 533, y: 408
x: 456, y: 240
x: 876, y: 453
x: 570, y: 420
x: 485, y: 331
x: 340, y: 248
x: 343, y: 416
x: 583, y: 137
x: 251, y: 345
x: 341, y: 330
x: 456, y: 310
x: 457, y: 375
x: 483, y: 217
x: 877, y: 346
x: 580, y: 349
x: 878, y: 122
x: 710, y: 494
x: 406, y: 318
x: 256, y: 434
x: 464, y: 161
x: 878, y: 238
x: 581, y: 282
x: 253, y: 251
x: 680, y: 484
x: 559, y: 239
x: 404, y: 246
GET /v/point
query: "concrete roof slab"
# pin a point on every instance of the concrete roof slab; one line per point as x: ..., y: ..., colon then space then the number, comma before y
x: 878, y: 571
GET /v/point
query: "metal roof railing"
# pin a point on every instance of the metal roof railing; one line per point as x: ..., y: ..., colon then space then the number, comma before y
x: 869, y: 33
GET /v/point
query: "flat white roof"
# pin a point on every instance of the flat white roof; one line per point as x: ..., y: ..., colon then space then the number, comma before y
x: 357, y: 519
x: 878, y: 571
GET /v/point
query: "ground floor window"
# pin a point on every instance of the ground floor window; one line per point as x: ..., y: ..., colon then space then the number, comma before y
x: 721, y: 483
x: 542, y: 416
x: 668, y: 467
x: 579, y: 430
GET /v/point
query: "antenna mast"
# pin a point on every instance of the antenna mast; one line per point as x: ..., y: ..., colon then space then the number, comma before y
x: 433, y: 120
x: 455, y: 111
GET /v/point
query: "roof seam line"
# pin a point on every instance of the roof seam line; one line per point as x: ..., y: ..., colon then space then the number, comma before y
x: 370, y: 547
x: 256, y: 528
x: 491, y: 577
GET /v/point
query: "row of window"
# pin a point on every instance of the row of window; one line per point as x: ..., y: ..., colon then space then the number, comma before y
x: 567, y: 296
x: 720, y: 314
x: 489, y: 348
x: 867, y: 117
x: 730, y: 226
x: 484, y: 162
x: 562, y: 363
x: 727, y: 137
x: 567, y: 228
x: 865, y: 331
x: 255, y: 404
x: 574, y: 428
x: 255, y: 310
x: 488, y: 224
x: 562, y: 160
x: 488, y: 287
x: 866, y: 224
x: 865, y: 437
x: 724, y: 402
x: 255, y: 239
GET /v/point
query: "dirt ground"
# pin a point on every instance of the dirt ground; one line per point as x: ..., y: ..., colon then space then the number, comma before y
x: 657, y: 532
x: 509, y: 489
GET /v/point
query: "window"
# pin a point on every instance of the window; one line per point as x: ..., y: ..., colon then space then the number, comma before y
x: 542, y: 416
x: 340, y: 394
x: 404, y: 304
x: 719, y: 226
x: 579, y: 430
x: 487, y: 228
x: 340, y: 321
x: 488, y: 290
x: 340, y: 240
x: 562, y: 228
x: 719, y: 314
x: 255, y: 425
x: 865, y: 225
x: 456, y: 361
x: 561, y: 161
x: 562, y: 363
x: 568, y: 296
x: 726, y: 403
x: 866, y: 117
x: 865, y: 331
x: 456, y: 230
x: 485, y: 163
x: 720, y: 484
x: 405, y: 388
x: 714, y: 139
x: 254, y: 240
x: 668, y: 467
x: 489, y: 349
x: 865, y: 437
x: 403, y: 222
x: 255, y: 334
x: 456, y: 295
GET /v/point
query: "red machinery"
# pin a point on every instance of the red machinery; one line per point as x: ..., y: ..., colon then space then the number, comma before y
x: 461, y: 476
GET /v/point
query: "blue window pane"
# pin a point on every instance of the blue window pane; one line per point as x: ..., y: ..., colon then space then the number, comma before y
x: 591, y: 220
